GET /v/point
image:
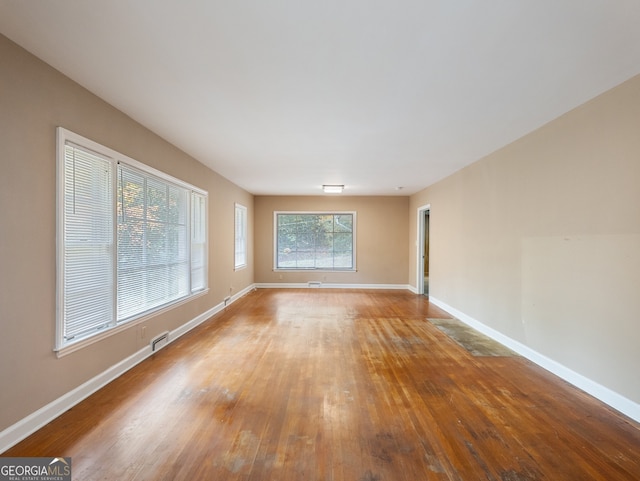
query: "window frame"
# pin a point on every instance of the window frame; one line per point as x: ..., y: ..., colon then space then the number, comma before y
x: 353, y: 268
x: 242, y: 239
x: 114, y: 325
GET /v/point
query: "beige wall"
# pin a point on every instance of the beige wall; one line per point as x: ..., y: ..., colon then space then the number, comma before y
x: 34, y: 100
x: 541, y: 240
x: 381, y: 239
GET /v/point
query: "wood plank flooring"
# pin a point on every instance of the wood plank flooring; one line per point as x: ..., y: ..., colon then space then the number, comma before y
x: 343, y: 385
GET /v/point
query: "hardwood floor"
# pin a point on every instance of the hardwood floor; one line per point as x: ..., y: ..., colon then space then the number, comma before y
x: 338, y: 385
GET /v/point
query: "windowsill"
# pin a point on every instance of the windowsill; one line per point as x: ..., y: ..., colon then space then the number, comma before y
x: 87, y: 341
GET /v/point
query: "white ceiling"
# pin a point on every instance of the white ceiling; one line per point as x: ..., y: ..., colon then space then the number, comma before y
x: 281, y: 96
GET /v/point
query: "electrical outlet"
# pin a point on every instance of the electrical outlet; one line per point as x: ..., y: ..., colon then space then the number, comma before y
x: 143, y: 332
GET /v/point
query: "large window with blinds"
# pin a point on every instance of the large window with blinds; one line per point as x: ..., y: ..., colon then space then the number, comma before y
x: 131, y: 240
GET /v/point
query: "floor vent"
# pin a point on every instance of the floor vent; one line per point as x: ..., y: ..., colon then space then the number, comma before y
x: 314, y: 283
x: 160, y: 341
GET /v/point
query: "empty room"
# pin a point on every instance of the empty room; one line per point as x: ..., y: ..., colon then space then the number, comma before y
x: 368, y: 241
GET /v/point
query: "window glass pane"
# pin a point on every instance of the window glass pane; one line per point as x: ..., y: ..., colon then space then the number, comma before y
x: 286, y: 243
x: 343, y: 260
x: 342, y: 241
x: 344, y: 223
x: 324, y: 253
x: 324, y: 223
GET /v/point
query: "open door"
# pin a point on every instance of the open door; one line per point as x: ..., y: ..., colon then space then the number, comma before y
x: 425, y: 289
x: 423, y: 250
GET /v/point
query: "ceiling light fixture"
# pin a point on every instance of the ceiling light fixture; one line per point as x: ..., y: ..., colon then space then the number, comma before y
x: 332, y: 189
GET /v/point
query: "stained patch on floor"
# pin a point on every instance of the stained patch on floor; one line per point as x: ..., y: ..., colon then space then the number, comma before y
x: 476, y: 343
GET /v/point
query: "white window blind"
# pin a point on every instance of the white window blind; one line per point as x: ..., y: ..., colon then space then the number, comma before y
x: 131, y: 239
x: 87, y: 218
x: 240, y: 236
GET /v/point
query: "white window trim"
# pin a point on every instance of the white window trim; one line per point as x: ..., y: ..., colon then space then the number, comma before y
x: 64, y: 136
x: 87, y: 341
x: 241, y: 265
x: 311, y: 269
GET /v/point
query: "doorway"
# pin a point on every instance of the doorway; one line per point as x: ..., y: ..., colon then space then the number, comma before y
x: 423, y: 250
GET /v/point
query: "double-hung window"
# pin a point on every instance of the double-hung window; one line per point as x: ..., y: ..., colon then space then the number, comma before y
x: 315, y: 240
x: 240, y: 236
x: 131, y: 240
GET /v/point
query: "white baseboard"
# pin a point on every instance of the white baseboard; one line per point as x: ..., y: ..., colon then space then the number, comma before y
x: 604, y: 394
x: 327, y: 285
x: 196, y: 321
x: 30, y: 424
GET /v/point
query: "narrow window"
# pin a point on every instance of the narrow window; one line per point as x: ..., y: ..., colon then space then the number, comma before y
x: 198, y: 241
x: 240, y: 236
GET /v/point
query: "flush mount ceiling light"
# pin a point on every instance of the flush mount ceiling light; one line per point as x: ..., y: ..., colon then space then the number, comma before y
x: 332, y: 189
